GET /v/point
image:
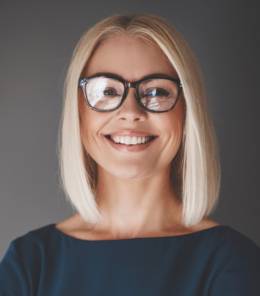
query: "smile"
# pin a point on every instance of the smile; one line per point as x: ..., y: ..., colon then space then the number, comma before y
x: 130, y: 144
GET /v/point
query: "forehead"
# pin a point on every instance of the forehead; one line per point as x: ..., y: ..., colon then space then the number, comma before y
x: 130, y: 57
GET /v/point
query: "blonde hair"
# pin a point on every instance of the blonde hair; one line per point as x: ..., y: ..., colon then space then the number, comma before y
x: 196, y: 167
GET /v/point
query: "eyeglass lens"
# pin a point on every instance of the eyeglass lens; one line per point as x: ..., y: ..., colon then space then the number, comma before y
x: 157, y: 94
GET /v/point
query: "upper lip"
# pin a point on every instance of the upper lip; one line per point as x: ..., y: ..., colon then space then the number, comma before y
x: 130, y: 133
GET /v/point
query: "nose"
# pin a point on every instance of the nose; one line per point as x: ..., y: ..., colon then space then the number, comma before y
x: 130, y: 109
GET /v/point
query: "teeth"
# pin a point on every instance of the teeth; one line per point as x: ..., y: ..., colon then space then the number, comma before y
x: 130, y: 140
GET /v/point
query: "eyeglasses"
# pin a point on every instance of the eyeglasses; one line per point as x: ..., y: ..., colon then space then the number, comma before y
x: 105, y: 92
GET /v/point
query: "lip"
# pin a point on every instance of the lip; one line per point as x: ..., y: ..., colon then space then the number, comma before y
x: 128, y: 148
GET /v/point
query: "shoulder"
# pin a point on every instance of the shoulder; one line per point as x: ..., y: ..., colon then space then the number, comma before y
x: 21, y: 264
x: 238, y: 242
x: 228, y: 249
x: 31, y: 247
x: 239, y: 250
x: 29, y: 243
x: 34, y: 236
x: 237, y: 265
x: 230, y: 238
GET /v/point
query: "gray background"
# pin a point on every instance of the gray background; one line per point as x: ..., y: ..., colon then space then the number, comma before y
x: 37, y: 39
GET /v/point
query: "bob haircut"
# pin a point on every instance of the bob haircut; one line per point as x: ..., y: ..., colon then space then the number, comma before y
x: 195, y: 168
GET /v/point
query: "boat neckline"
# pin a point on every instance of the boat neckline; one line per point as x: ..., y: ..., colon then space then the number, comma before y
x: 148, y: 238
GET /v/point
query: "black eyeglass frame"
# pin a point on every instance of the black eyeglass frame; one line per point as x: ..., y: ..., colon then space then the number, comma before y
x: 127, y: 84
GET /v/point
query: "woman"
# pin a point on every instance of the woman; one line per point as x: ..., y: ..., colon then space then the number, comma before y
x: 139, y: 164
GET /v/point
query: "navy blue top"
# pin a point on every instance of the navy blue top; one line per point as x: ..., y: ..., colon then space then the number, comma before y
x: 218, y: 261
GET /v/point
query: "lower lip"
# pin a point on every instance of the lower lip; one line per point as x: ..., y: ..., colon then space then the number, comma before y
x: 130, y: 148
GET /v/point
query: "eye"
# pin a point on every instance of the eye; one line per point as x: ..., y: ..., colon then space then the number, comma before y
x: 154, y: 92
x: 110, y: 92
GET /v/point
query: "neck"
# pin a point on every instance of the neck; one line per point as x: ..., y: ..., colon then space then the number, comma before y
x: 130, y: 208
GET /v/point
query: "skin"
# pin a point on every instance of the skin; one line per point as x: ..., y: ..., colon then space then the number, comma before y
x: 134, y: 192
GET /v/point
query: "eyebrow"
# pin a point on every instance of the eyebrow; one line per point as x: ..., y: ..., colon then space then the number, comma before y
x: 142, y: 77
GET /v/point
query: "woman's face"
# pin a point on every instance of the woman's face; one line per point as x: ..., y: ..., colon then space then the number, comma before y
x: 132, y: 58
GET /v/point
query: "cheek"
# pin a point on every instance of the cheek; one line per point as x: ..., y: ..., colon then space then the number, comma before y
x: 91, y: 125
x: 178, y: 119
x: 173, y: 122
x: 177, y: 135
x: 173, y: 125
x: 87, y: 124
